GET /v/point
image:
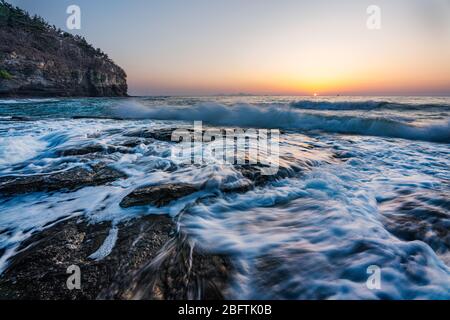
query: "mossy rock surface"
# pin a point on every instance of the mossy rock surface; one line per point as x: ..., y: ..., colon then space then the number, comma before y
x: 5, y: 75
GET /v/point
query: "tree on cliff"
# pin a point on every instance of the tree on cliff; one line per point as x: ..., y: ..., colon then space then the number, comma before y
x: 39, y: 59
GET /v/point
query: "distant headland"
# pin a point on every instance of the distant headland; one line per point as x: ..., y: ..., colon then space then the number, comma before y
x: 39, y: 60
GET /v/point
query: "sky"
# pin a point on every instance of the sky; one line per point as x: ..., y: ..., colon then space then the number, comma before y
x: 282, y: 47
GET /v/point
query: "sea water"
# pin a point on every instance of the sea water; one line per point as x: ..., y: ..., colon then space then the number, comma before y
x: 372, y: 189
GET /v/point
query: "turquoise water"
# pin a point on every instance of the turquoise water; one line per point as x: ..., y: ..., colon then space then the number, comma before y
x: 373, y: 187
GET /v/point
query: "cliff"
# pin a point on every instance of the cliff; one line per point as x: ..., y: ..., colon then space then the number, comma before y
x: 37, y: 59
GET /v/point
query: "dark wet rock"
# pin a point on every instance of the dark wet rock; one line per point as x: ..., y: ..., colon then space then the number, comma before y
x: 39, y: 270
x: 149, y: 261
x: 3, y: 231
x: 262, y: 174
x: 133, y: 143
x: 411, y: 220
x: 72, y: 179
x: 434, y: 232
x: 420, y: 216
x: 343, y: 155
x: 181, y: 271
x: 20, y: 118
x: 81, y: 150
x: 237, y: 187
x: 90, y: 149
x: 254, y: 174
x: 157, y: 195
x: 160, y: 134
x: 97, y: 117
x: 165, y: 134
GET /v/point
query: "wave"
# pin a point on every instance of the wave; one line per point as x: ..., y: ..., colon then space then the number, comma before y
x: 29, y: 100
x: 367, y: 105
x: 286, y: 117
x: 344, y: 105
x: 18, y: 149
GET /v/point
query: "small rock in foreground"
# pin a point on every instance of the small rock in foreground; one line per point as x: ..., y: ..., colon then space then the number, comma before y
x: 157, y: 195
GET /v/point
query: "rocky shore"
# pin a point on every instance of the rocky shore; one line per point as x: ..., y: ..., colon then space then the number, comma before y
x: 147, y: 257
x: 150, y: 260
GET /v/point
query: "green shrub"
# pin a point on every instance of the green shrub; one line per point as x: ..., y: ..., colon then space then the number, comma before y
x: 5, y: 75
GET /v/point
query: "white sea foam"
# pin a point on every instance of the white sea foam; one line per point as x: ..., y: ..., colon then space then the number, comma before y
x: 311, y: 235
x: 27, y: 101
x: 332, y: 215
x: 107, y: 245
x: 17, y: 149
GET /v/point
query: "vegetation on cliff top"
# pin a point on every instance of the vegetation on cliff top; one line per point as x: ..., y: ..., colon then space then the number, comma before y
x: 37, y: 59
x: 14, y: 17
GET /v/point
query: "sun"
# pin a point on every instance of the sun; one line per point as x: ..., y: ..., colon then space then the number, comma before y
x: 315, y: 94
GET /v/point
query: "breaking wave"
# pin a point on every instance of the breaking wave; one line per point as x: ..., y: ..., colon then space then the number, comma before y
x: 290, y: 118
x: 17, y: 149
x: 27, y: 101
x: 365, y: 105
x: 344, y: 105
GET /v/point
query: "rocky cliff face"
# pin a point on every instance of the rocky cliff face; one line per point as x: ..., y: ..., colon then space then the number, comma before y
x: 39, y: 60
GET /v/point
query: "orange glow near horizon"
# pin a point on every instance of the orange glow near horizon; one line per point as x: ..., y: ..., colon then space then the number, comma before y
x: 283, y: 47
x: 341, y: 56
x: 353, y: 83
x: 330, y: 75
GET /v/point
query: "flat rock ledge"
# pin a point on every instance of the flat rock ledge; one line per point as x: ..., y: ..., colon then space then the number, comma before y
x: 162, y: 195
x: 75, y: 178
x: 91, y: 149
x: 150, y: 260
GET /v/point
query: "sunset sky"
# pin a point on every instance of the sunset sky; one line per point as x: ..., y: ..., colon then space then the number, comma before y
x: 292, y: 47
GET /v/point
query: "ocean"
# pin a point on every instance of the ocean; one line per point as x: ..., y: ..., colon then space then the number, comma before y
x: 363, y: 182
